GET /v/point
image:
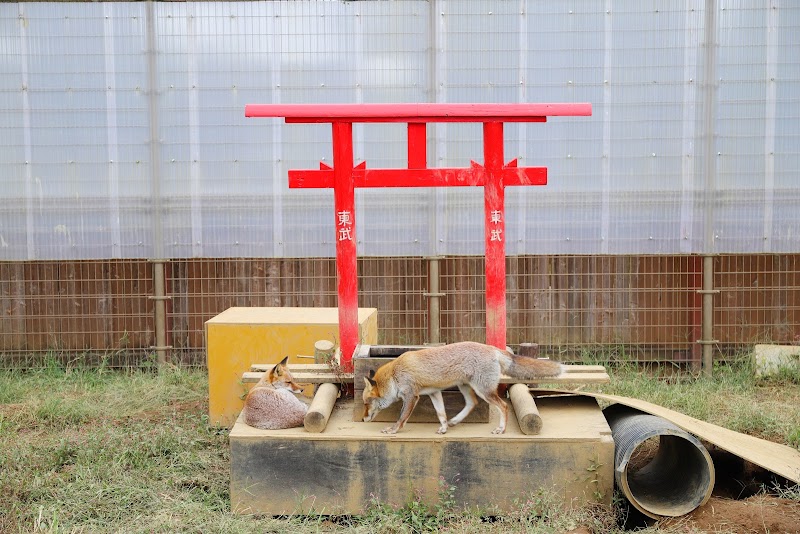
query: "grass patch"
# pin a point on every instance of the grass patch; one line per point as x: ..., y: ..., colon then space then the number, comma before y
x: 131, y: 451
x: 733, y: 398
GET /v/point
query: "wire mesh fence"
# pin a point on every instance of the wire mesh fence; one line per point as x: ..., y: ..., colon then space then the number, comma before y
x: 87, y: 312
x: 642, y: 307
x: 759, y: 300
x: 603, y: 307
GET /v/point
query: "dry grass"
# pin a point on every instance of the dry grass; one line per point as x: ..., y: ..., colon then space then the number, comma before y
x: 96, y: 451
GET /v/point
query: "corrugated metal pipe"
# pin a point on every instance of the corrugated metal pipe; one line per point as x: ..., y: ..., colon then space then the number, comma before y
x: 670, y: 481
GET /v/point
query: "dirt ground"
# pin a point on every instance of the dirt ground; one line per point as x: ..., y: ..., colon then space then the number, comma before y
x: 738, y: 504
x: 756, y: 514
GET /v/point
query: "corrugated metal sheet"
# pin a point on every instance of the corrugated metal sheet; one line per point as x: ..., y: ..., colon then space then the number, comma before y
x: 78, y: 178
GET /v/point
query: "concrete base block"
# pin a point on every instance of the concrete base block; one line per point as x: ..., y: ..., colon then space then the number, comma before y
x: 349, y: 465
x: 769, y: 359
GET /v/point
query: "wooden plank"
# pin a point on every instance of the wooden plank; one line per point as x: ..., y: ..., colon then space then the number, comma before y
x: 570, y: 378
x: 34, y: 324
x: 272, y: 283
x: 315, y: 377
x: 185, y: 286
x: 12, y: 306
x: 294, y: 367
x: 648, y: 306
x: 310, y: 367
x: 571, y: 372
x: 322, y: 376
x: 513, y: 299
x: 584, y: 369
x: 391, y: 350
x: 780, y: 459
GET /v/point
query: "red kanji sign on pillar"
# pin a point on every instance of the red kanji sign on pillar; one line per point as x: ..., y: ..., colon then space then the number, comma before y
x: 494, y: 175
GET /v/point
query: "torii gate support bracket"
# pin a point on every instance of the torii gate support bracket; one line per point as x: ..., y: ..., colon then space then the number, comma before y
x: 494, y: 175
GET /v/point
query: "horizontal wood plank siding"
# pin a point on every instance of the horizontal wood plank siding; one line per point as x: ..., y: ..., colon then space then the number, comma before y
x: 567, y: 304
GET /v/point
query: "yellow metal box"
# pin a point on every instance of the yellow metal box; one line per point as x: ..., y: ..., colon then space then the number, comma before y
x: 240, y: 337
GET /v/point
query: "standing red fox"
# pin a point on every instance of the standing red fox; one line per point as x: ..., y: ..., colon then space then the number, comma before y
x: 472, y: 367
x: 271, y: 404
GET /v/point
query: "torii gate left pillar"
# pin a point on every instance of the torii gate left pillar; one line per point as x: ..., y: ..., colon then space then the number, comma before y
x: 344, y: 177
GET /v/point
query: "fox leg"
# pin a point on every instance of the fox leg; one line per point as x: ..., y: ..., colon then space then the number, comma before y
x: 438, y: 405
x: 470, y: 401
x: 405, y: 413
x: 493, y: 398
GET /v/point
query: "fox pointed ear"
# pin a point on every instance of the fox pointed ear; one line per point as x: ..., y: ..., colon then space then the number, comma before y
x: 280, y: 367
x: 371, y: 378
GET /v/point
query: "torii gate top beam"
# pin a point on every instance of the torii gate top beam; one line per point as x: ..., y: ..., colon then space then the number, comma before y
x: 410, y: 113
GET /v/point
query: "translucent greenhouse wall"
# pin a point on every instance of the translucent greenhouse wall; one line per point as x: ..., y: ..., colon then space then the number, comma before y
x: 123, y: 132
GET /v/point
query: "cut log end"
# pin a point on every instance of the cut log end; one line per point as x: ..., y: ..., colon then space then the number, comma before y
x: 321, y: 407
x: 530, y: 422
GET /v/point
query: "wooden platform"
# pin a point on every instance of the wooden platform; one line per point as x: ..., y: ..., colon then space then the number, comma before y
x: 424, y: 412
x: 344, y: 468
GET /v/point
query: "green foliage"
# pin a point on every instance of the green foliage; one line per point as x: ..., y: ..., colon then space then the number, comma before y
x: 787, y: 374
x: 416, y: 515
x: 794, y: 437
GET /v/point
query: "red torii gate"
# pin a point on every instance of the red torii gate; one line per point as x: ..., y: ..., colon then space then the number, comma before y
x: 344, y: 177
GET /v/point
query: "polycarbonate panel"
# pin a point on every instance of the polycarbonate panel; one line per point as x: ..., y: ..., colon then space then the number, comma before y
x: 75, y: 132
x: 95, y: 164
x: 759, y: 137
x: 226, y: 176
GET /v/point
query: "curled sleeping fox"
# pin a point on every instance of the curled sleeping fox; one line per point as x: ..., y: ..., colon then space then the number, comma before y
x: 271, y: 403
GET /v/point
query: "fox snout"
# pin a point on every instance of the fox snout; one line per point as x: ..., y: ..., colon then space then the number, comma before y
x: 293, y: 387
x: 370, y: 396
x: 369, y: 412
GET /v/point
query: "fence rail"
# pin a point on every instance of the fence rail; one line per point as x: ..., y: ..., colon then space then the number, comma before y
x: 643, y: 307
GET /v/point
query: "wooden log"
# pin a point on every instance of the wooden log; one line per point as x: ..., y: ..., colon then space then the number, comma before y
x: 320, y: 410
x: 323, y: 355
x: 323, y: 351
x: 530, y: 422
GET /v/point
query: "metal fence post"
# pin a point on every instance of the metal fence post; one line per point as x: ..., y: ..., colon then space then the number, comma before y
x: 160, y: 298
x: 159, y: 280
x: 710, y: 182
x: 707, y: 329
x: 433, y: 295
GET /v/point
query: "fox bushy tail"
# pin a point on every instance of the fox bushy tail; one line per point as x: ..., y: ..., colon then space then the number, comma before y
x: 526, y: 368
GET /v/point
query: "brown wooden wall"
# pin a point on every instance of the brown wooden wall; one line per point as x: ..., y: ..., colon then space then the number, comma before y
x: 566, y: 303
